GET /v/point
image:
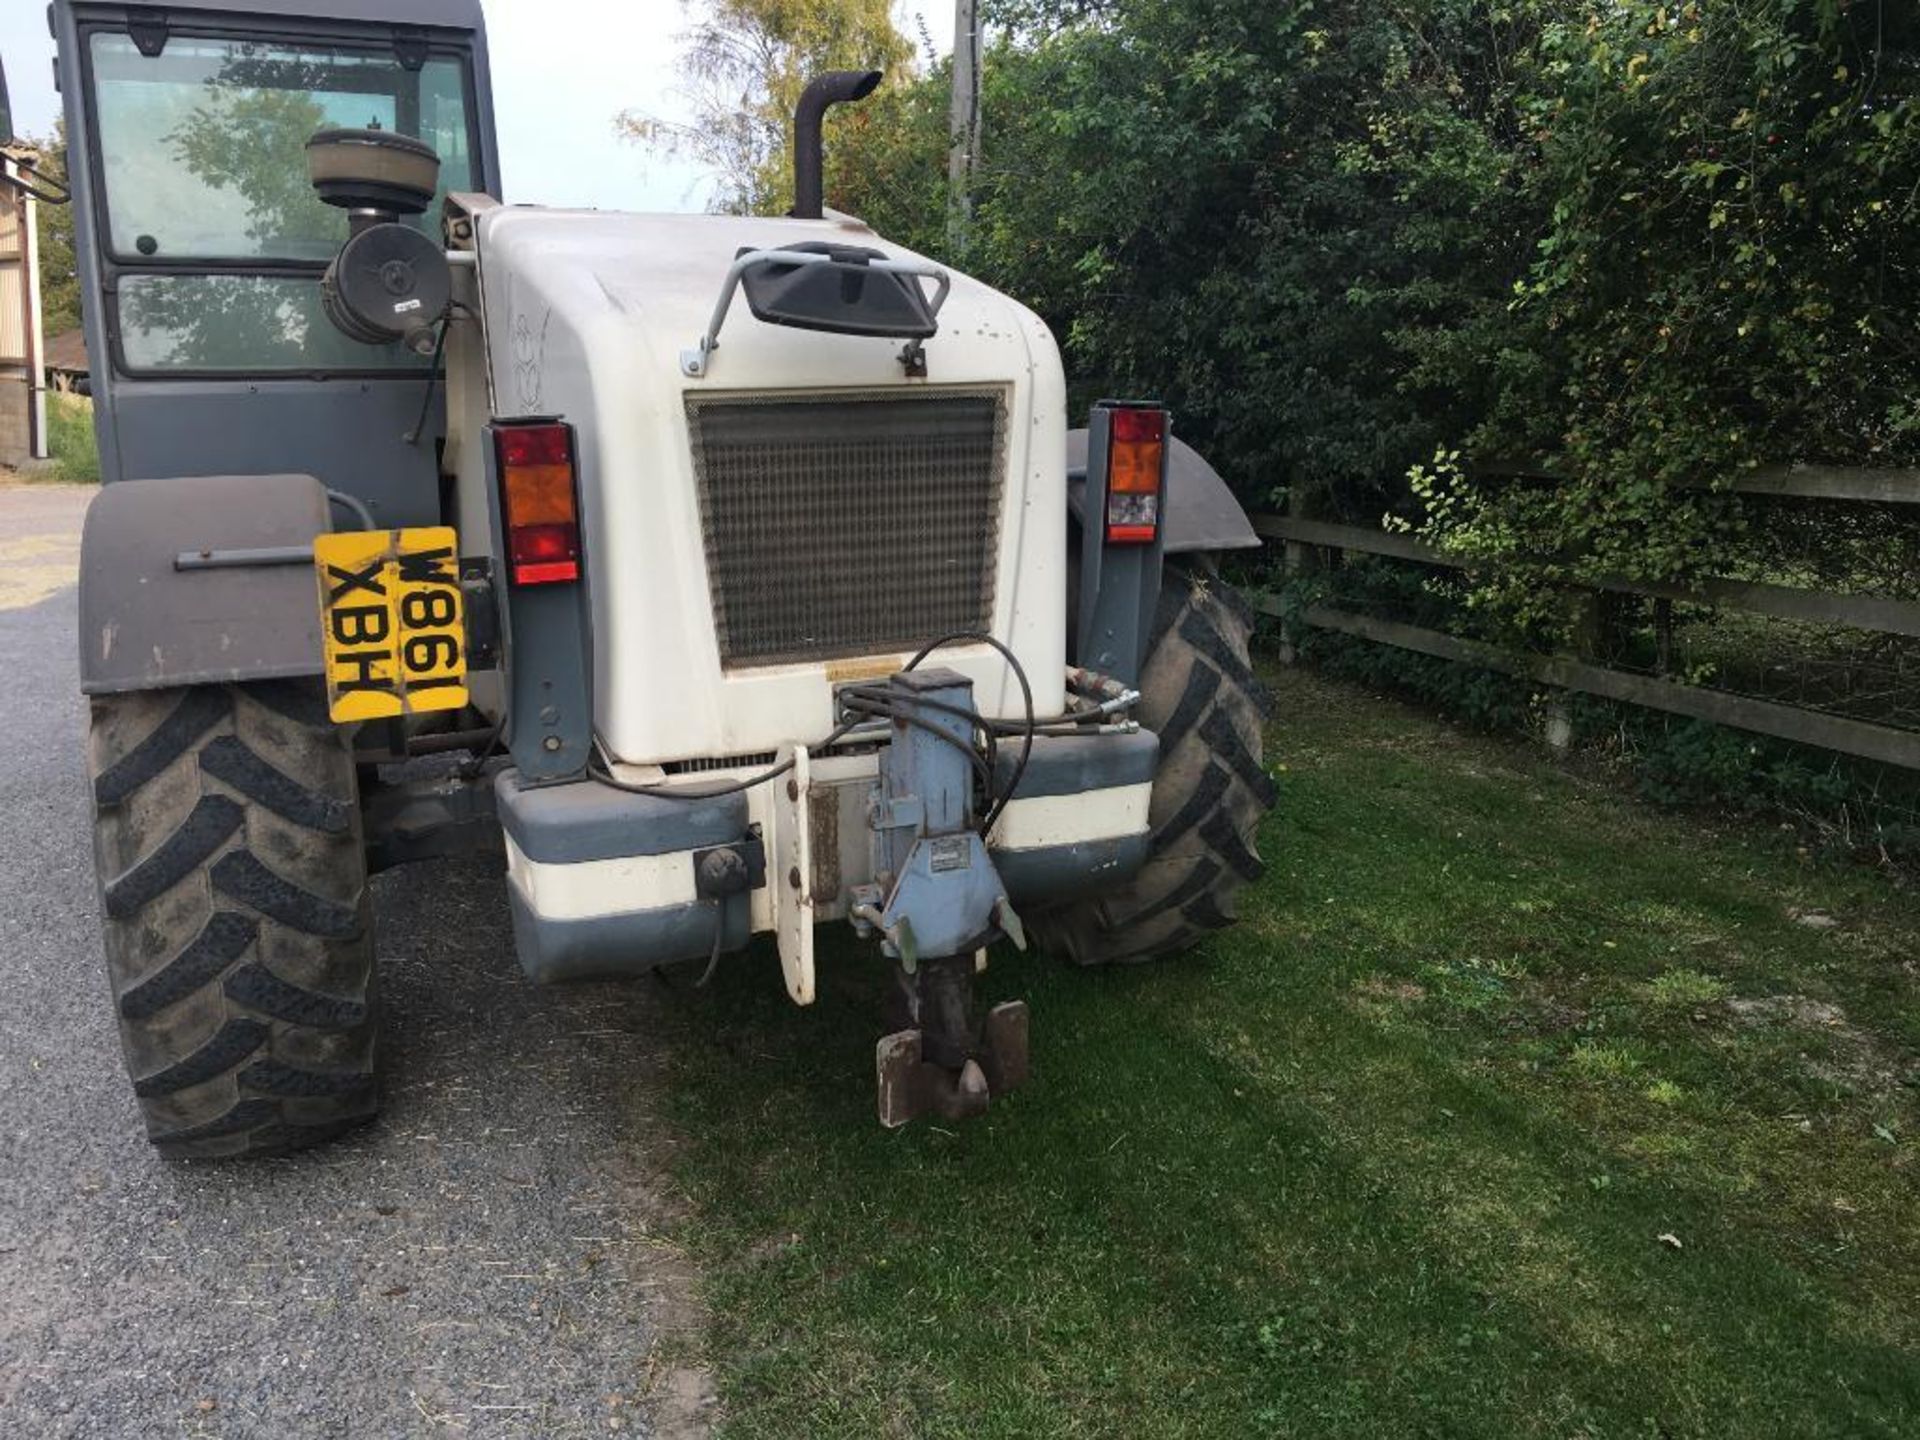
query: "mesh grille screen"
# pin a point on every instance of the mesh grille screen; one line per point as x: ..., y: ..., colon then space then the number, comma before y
x: 850, y: 525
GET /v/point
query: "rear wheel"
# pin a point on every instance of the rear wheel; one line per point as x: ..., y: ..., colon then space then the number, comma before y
x: 238, y: 930
x: 1199, y: 695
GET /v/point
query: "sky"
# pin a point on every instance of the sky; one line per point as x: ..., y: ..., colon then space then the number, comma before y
x: 562, y: 69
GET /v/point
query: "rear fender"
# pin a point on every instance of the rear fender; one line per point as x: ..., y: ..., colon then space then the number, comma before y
x: 1115, y: 589
x: 146, y: 623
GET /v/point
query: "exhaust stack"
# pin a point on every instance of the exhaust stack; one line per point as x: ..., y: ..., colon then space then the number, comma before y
x: 833, y: 88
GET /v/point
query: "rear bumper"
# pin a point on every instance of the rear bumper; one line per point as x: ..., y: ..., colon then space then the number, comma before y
x: 1078, y: 823
x: 603, y: 882
x: 606, y: 883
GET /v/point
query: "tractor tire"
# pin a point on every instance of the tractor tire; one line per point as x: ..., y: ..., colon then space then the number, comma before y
x: 1199, y: 695
x: 239, y: 934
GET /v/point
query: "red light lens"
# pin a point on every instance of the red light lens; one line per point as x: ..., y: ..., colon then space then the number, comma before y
x: 1133, y: 427
x: 547, y: 574
x: 543, y: 554
x: 538, y: 503
x: 535, y: 445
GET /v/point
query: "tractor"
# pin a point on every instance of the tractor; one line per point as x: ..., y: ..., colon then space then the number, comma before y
x: 729, y: 576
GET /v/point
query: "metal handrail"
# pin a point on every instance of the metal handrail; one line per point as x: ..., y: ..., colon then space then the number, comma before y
x: 694, y: 361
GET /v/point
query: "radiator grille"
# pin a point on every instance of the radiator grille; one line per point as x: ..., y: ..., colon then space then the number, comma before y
x: 709, y: 763
x: 850, y: 525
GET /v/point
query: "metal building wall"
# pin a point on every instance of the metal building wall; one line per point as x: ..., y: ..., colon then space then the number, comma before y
x: 22, y: 404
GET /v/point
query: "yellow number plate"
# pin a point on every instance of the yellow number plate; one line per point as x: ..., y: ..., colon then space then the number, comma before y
x: 391, y: 622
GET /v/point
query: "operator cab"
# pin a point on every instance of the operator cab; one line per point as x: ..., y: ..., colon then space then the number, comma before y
x: 203, y: 260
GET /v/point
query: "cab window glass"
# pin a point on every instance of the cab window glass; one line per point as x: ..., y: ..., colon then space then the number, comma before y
x: 202, y: 147
x: 250, y: 323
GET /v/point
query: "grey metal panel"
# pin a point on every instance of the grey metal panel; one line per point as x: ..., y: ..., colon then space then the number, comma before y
x: 1201, y: 513
x: 144, y: 624
x: 1075, y: 764
x: 345, y: 432
x: 548, y: 659
x: 617, y: 947
x: 1119, y: 584
x: 547, y: 656
x: 1065, y: 872
x: 585, y: 820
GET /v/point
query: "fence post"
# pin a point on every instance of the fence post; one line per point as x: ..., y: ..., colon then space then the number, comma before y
x: 1295, y: 561
x: 1588, y: 638
x: 1559, y: 721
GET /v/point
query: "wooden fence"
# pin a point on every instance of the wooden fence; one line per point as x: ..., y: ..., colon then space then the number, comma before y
x: 1887, y: 744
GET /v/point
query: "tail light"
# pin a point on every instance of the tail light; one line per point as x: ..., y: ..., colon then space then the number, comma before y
x: 539, y: 504
x: 1136, y: 448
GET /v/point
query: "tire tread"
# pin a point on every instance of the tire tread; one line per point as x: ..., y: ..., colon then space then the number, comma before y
x: 232, y: 1043
x: 1201, y: 697
x: 229, y: 758
x: 222, y: 1048
x: 198, y: 711
x: 221, y: 941
x: 244, y: 876
x: 213, y: 819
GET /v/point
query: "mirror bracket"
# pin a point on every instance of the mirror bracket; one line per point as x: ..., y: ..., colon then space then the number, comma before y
x: 697, y: 359
x: 30, y: 181
x: 149, y: 30
x: 410, y: 48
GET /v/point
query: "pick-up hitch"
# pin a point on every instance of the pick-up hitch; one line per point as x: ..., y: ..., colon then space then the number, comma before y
x: 936, y: 903
x: 941, y: 1063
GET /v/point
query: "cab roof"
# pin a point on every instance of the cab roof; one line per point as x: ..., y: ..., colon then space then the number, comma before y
x: 439, y: 14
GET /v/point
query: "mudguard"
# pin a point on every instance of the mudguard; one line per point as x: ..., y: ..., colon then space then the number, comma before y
x: 146, y: 623
x: 1201, y: 513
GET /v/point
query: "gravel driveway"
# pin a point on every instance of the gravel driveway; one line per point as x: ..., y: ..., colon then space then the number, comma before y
x: 484, y: 1261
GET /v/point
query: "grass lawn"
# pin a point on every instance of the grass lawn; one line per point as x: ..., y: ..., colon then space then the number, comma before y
x: 1512, y: 1108
x: 70, y: 440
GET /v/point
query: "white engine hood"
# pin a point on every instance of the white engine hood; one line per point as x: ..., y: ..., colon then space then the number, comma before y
x: 587, y: 315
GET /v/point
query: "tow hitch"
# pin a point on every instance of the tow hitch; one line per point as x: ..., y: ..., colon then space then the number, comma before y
x: 935, y: 905
x: 941, y: 1063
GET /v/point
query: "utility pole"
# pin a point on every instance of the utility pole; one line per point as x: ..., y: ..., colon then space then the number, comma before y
x: 963, y: 142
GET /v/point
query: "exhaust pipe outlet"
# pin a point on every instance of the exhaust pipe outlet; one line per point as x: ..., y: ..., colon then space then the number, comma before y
x: 833, y: 88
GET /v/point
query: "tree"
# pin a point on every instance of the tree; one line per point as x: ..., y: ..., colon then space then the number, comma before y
x: 1277, y: 217
x: 1723, y: 276
x: 747, y: 62
x: 1644, y: 245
